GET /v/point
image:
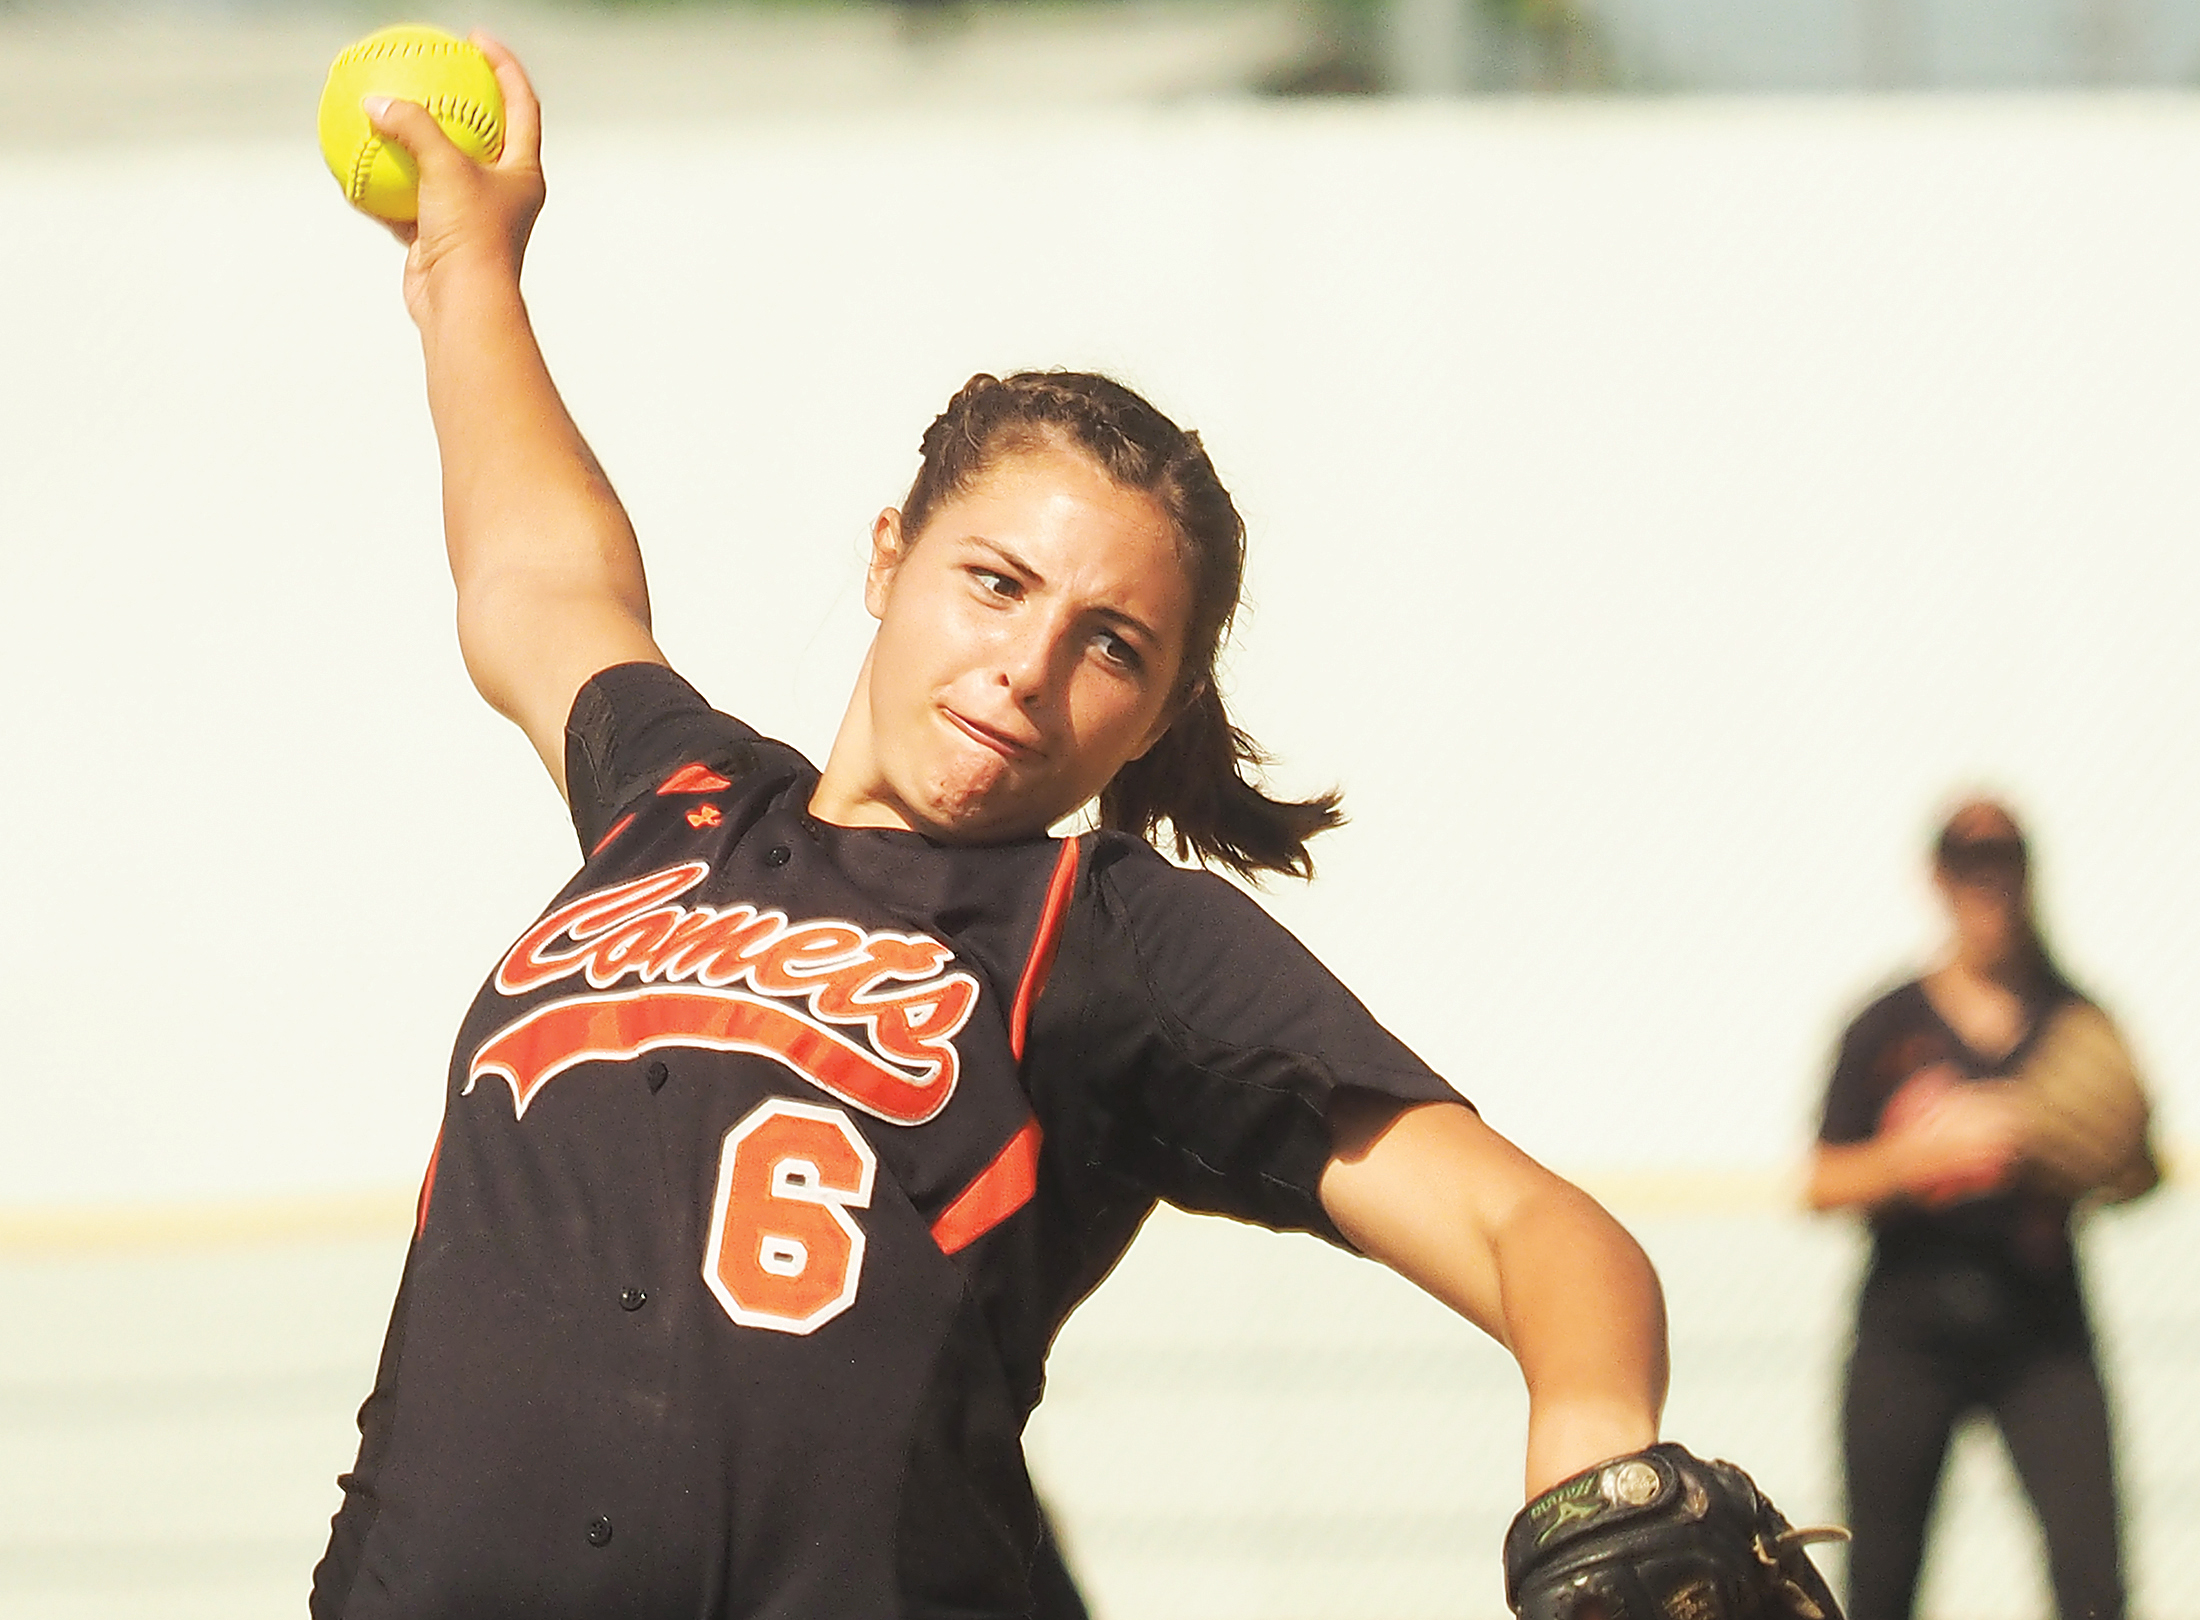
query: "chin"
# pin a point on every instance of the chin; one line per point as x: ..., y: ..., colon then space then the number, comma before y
x: 958, y: 813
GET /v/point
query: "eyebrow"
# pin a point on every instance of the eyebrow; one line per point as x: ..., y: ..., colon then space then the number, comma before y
x: 1020, y: 565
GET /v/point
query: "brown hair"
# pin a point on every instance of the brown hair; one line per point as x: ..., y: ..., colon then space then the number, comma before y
x: 1195, y: 778
x: 1981, y: 842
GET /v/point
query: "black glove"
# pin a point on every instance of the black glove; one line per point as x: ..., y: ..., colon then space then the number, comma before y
x: 1662, y: 1535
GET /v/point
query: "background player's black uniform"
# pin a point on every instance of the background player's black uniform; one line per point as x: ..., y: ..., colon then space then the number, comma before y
x: 774, y: 1156
x: 1975, y: 1306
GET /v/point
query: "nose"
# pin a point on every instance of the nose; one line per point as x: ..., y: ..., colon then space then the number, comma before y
x: 1035, y: 661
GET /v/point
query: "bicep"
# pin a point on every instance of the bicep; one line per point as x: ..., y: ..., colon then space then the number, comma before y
x: 1424, y: 1189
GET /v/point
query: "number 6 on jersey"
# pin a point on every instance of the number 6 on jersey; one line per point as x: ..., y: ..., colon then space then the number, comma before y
x: 784, y: 1253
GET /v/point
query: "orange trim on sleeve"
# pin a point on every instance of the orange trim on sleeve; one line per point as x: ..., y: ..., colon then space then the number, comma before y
x: 1043, y: 944
x: 999, y: 1191
x: 617, y: 827
x: 427, y: 1189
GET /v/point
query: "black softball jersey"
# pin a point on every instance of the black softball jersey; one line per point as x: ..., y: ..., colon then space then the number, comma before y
x: 774, y: 1155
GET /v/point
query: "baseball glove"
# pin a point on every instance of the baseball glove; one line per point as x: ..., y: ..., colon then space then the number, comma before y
x: 2084, y: 1111
x: 1662, y: 1535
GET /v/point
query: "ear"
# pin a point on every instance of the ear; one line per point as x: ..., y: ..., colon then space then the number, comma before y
x: 887, y: 552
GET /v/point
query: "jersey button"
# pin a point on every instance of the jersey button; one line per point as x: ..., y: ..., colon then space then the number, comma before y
x: 633, y: 1299
x: 599, y: 1531
x: 778, y: 855
x: 658, y: 1074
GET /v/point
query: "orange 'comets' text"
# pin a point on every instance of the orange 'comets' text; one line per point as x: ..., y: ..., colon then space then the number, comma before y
x: 875, y: 1024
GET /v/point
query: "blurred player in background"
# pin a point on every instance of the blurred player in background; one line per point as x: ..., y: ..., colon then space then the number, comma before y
x: 1969, y: 1112
x: 776, y: 1151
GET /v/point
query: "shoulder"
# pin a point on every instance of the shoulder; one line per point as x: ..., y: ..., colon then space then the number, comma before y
x: 1134, y: 875
x: 635, y: 728
x: 1168, y: 911
x: 1896, y: 1033
x: 1196, y: 956
x: 1892, y: 1010
x: 1893, y: 1036
x: 619, y: 712
x: 2066, y: 1000
x: 1190, y: 1043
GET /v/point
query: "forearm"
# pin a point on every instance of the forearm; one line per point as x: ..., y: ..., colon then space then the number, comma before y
x: 1853, y: 1175
x: 1582, y: 1312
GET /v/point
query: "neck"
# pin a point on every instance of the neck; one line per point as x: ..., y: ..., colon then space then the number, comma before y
x: 847, y: 790
x: 2014, y: 972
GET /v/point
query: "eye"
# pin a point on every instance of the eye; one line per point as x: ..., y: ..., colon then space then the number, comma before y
x: 1118, y: 652
x: 995, y: 583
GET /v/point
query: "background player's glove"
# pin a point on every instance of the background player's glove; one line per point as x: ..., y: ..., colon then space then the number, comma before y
x: 2084, y: 1111
x: 1662, y: 1535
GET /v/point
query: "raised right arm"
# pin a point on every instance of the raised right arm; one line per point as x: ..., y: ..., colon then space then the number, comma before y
x: 549, y: 576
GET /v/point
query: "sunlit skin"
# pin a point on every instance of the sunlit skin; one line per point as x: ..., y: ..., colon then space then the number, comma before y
x: 1029, y: 644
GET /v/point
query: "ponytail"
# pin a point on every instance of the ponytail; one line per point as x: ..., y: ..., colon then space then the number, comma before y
x: 1194, y: 780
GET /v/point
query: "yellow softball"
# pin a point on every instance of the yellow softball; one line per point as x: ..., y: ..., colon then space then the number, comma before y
x: 411, y: 62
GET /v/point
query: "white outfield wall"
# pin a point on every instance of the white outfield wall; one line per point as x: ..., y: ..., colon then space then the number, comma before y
x: 1659, y: 509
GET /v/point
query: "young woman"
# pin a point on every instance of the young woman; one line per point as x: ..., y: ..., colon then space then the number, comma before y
x: 779, y: 1147
x: 1972, y: 1301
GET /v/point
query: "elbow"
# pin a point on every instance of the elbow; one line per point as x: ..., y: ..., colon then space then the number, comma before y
x: 488, y: 651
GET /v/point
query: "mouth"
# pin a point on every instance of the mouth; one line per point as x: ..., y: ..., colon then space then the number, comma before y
x: 1008, y: 747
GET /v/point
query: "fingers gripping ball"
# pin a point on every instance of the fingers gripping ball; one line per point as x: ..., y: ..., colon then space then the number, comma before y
x: 411, y: 62
x: 1662, y: 1535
